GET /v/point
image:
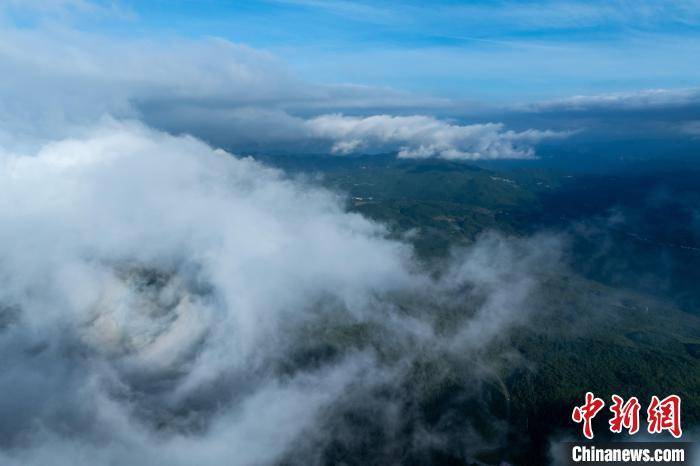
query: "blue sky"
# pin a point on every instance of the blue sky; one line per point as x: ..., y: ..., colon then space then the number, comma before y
x: 404, y: 75
x: 483, y: 50
x: 479, y: 50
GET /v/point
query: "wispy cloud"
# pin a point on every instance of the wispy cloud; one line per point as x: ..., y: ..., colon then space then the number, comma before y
x: 512, y: 16
x: 641, y: 99
x: 65, y: 10
x: 365, y: 12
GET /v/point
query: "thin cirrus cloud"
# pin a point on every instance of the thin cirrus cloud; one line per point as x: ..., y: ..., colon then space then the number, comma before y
x: 507, y: 51
x: 635, y: 100
x: 657, y: 112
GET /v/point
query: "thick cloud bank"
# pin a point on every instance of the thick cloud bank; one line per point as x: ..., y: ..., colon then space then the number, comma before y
x: 163, y: 302
x: 57, y: 80
x: 422, y: 137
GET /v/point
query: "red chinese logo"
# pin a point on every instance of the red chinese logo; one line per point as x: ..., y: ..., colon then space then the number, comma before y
x: 625, y: 415
x: 587, y: 412
x: 662, y: 415
x: 665, y: 415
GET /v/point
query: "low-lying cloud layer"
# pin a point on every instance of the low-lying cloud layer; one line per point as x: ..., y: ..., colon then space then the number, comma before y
x: 422, y: 137
x: 167, y: 303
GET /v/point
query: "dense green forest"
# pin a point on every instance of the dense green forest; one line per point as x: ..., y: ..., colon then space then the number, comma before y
x: 621, y: 316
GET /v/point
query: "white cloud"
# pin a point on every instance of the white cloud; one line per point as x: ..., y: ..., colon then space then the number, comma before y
x: 422, y: 136
x: 154, y: 288
x: 157, y: 293
x: 243, y: 253
x: 57, y: 80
